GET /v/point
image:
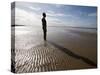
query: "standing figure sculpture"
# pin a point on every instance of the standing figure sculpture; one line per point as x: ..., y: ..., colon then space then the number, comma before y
x: 44, y: 25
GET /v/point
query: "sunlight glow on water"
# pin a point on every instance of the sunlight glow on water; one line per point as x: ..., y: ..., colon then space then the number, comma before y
x: 20, y: 30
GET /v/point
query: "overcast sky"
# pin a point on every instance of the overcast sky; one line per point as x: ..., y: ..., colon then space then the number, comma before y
x: 27, y: 13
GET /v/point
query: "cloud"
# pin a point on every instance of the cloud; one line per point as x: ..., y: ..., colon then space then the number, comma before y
x: 92, y: 14
x: 52, y: 20
x: 34, y: 8
x: 23, y: 17
x: 54, y: 14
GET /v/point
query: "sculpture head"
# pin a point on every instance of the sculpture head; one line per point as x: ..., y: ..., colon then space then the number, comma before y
x: 44, y: 14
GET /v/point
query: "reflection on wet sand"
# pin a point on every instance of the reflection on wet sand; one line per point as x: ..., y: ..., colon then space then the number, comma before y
x: 32, y: 54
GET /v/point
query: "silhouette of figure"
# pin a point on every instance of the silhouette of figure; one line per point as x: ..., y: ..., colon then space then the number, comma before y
x: 44, y: 25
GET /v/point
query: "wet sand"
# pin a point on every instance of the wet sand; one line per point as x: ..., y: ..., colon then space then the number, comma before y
x: 80, y: 42
x: 65, y: 49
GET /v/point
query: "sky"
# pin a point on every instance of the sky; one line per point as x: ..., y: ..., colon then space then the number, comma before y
x: 28, y: 13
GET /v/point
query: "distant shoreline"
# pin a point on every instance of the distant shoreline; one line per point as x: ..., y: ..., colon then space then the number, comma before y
x: 74, y: 27
x: 56, y: 26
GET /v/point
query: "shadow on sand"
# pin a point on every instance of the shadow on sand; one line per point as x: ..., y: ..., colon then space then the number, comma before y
x: 70, y: 53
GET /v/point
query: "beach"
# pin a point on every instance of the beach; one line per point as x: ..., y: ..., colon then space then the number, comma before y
x: 66, y: 48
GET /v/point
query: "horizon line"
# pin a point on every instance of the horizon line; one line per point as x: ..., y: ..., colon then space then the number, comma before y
x: 57, y: 26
